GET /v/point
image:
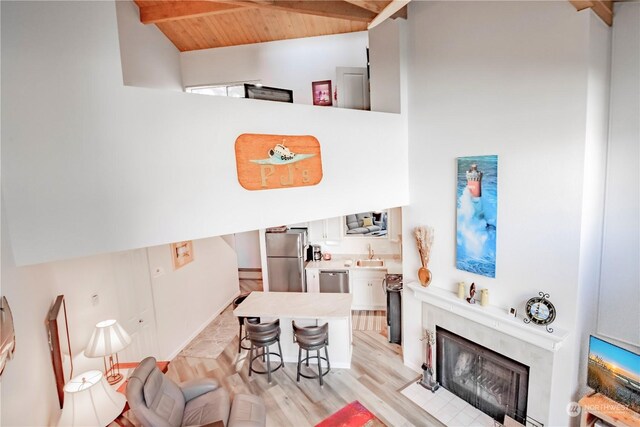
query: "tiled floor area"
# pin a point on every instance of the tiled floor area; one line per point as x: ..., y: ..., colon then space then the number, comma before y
x: 215, y: 337
x: 447, y: 407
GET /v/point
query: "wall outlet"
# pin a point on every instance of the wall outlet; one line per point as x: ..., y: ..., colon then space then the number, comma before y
x: 95, y: 299
x: 158, y: 271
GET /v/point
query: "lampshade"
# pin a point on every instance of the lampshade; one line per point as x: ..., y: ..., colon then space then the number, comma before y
x: 89, y: 401
x: 108, y: 338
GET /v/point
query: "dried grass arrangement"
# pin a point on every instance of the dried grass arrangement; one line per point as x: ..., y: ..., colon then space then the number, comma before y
x: 424, y: 239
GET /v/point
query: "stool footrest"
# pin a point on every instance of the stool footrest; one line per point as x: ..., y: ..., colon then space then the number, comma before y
x: 280, y: 363
x: 326, y: 371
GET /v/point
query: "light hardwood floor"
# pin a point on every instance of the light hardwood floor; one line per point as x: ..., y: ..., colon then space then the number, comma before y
x: 376, y: 377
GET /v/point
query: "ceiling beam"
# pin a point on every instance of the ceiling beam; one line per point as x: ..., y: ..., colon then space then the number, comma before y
x: 604, y: 9
x: 174, y: 10
x: 329, y: 8
x: 375, y: 6
x: 388, y: 11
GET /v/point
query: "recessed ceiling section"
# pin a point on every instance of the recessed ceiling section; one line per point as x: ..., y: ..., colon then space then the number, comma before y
x: 193, y: 25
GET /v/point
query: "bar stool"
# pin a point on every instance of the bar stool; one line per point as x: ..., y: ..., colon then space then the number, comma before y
x: 262, y: 335
x: 241, y: 320
x: 311, y: 338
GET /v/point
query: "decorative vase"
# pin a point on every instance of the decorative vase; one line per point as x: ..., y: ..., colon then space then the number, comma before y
x: 424, y: 276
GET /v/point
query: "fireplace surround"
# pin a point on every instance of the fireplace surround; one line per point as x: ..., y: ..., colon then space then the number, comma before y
x: 493, y: 383
x: 492, y: 328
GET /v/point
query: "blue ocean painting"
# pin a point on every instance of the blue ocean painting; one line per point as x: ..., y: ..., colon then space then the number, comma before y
x: 477, y: 212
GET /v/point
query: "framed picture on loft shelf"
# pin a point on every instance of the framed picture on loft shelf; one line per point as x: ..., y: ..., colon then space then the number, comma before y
x: 268, y: 93
x: 322, y: 93
x: 181, y: 253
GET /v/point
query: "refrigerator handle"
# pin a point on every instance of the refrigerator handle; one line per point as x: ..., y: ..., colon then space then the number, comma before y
x: 303, y: 278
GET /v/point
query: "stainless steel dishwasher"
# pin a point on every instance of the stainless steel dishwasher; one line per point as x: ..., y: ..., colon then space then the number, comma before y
x: 334, y: 281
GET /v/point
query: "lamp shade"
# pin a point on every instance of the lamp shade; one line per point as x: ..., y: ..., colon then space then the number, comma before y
x: 108, y: 338
x: 89, y: 401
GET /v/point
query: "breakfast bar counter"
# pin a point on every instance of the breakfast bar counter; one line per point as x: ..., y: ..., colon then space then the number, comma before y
x: 307, y: 309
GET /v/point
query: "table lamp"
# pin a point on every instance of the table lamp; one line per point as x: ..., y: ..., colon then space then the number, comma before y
x: 89, y: 401
x: 107, y: 340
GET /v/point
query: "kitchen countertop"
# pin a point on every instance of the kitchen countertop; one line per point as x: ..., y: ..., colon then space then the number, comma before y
x: 337, y: 262
x: 295, y: 305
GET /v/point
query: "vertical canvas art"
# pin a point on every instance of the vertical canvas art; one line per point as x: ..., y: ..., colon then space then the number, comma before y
x: 477, y: 212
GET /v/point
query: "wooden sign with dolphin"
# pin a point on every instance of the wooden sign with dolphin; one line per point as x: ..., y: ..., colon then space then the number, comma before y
x: 267, y: 162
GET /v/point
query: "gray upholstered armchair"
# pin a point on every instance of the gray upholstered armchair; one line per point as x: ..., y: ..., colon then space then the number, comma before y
x: 159, y: 402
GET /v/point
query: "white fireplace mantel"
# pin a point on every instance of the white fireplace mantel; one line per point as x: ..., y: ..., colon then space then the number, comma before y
x: 492, y: 317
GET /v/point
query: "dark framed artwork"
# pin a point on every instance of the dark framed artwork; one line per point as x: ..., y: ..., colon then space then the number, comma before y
x: 58, y: 333
x: 322, y: 93
x: 268, y: 93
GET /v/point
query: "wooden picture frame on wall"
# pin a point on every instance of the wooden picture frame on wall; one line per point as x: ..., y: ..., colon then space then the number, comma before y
x: 181, y: 253
x: 322, y: 94
x: 58, y: 333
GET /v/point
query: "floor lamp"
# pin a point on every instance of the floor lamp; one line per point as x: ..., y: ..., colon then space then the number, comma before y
x: 107, y: 340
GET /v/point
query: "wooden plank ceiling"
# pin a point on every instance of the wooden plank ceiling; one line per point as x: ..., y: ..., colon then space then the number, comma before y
x: 192, y: 25
x: 204, y: 24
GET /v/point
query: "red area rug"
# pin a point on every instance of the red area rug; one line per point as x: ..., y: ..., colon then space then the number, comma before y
x: 352, y: 415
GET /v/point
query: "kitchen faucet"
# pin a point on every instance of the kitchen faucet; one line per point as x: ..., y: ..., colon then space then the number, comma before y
x: 370, y: 251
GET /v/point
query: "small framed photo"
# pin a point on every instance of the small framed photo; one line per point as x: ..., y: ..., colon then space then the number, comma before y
x: 513, y: 312
x: 181, y: 253
x: 322, y: 93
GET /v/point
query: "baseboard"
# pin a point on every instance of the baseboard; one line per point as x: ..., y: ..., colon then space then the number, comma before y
x: 201, y: 328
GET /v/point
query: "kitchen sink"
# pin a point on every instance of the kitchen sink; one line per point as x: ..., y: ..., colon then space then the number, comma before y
x: 370, y: 263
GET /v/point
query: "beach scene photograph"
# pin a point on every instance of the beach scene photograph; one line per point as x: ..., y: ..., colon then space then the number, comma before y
x: 614, y: 372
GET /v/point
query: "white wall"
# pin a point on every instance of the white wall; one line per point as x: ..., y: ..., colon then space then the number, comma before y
x: 248, y: 249
x: 187, y: 299
x: 507, y: 79
x: 620, y: 280
x: 385, y: 63
x: 597, y: 132
x: 290, y: 64
x: 91, y: 166
x: 149, y: 59
x: 30, y: 297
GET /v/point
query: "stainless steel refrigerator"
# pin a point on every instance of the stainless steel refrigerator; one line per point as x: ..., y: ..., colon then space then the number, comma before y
x: 285, y: 260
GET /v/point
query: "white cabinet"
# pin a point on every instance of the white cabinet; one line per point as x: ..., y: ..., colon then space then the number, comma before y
x: 313, y: 280
x: 325, y: 229
x: 367, y: 289
x: 333, y: 228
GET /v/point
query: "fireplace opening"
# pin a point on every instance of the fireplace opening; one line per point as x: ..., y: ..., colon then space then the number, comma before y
x: 491, y: 382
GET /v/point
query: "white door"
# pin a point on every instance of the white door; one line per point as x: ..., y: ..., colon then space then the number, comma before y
x: 353, y: 87
x: 135, y: 301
